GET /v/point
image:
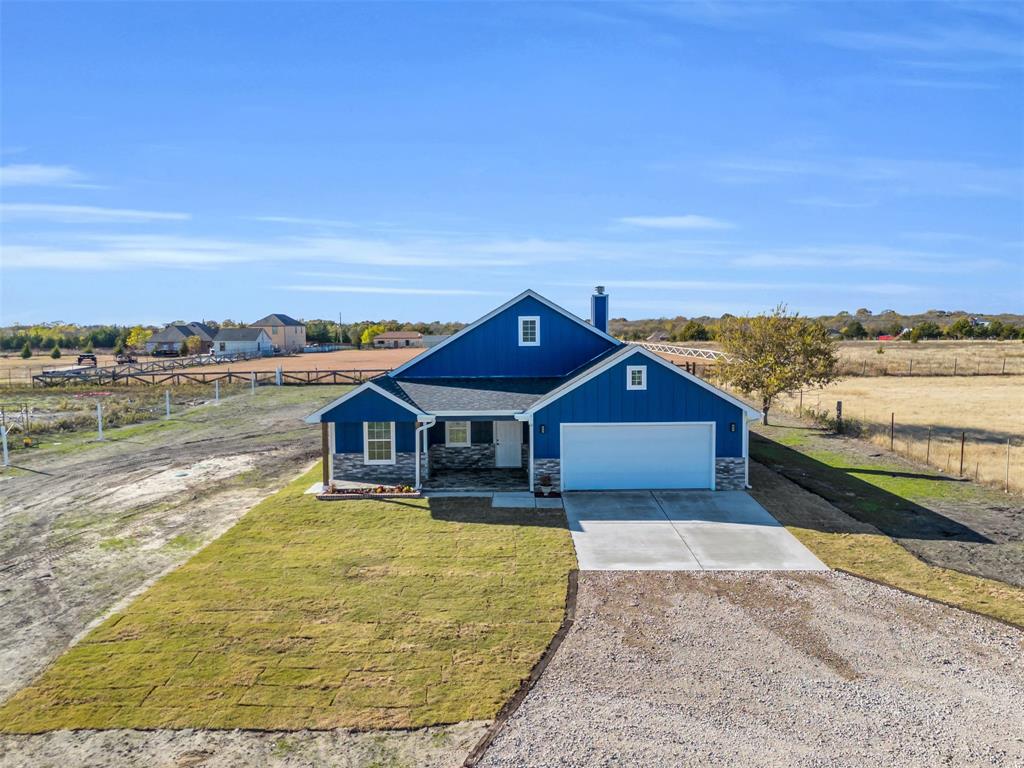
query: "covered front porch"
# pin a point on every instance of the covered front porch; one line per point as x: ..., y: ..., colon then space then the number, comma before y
x: 475, y: 452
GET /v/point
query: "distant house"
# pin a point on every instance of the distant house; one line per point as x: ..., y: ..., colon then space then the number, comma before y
x: 242, y: 341
x: 392, y: 339
x: 658, y: 336
x: 430, y: 340
x: 286, y: 333
x: 977, y: 322
x: 169, y: 340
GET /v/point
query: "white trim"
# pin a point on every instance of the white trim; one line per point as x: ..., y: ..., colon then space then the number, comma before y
x: 332, y: 448
x: 366, y: 444
x: 746, y: 453
x: 494, y: 312
x: 314, y: 417
x: 448, y: 438
x: 630, y: 369
x: 536, y: 330
x: 626, y: 351
x: 712, y: 424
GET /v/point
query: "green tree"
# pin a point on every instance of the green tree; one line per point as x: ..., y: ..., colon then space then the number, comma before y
x: 925, y: 330
x: 26, y: 351
x: 118, y: 347
x: 88, y: 348
x: 960, y: 329
x: 55, y: 354
x: 776, y: 353
x: 854, y: 330
x: 694, y: 331
x: 192, y: 345
x: 183, y: 349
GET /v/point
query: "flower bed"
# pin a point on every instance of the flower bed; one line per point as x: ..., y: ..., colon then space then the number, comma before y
x: 334, y: 493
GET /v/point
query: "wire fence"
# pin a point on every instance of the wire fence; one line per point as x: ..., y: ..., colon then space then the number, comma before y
x: 931, y: 365
x: 994, y: 459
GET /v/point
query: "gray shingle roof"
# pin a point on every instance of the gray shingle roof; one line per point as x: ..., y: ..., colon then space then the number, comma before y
x: 238, y: 334
x: 276, y: 319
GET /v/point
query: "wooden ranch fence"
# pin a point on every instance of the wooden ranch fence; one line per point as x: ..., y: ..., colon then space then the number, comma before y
x: 262, y: 378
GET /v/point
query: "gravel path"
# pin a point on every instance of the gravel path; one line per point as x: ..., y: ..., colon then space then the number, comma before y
x: 757, y: 669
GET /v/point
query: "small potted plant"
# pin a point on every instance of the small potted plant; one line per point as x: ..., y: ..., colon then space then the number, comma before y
x: 545, y: 484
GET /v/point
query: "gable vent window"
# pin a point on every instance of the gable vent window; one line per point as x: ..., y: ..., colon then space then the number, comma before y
x: 636, y: 377
x: 456, y: 434
x: 529, y: 331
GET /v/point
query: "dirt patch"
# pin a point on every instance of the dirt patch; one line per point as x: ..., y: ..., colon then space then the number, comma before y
x: 83, y: 524
x: 342, y: 360
x: 741, y: 669
x: 442, y: 747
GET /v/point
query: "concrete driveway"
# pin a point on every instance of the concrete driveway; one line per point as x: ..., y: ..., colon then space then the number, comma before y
x: 681, y: 531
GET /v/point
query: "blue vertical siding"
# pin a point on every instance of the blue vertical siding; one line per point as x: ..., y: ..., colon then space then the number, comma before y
x: 599, y: 311
x: 668, y: 397
x: 492, y: 349
x: 368, y: 405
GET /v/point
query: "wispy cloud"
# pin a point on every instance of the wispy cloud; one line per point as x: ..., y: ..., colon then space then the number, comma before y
x: 32, y: 175
x: 687, y: 221
x: 83, y: 214
x: 301, y: 221
x: 388, y: 290
x: 756, y: 285
x: 934, y: 40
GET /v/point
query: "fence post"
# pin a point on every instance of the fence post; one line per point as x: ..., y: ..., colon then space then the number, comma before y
x: 1004, y: 365
x: 928, y: 448
x: 892, y: 430
x: 99, y: 422
x: 216, y: 391
x: 278, y: 375
x: 839, y: 416
x: 252, y: 377
x: 3, y: 437
x: 167, y: 403
x: 911, y: 371
x: 1007, y: 489
x: 801, y: 402
x: 963, y: 438
x: 954, y: 366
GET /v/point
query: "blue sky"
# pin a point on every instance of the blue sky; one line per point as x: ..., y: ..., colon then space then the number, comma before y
x: 428, y: 161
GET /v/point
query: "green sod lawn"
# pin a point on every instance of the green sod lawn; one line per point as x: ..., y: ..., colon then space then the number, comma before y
x: 307, y: 614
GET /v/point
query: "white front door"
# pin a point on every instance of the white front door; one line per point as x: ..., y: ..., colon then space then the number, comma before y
x: 508, y: 444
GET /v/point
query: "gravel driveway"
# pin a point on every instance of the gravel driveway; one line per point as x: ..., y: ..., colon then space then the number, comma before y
x: 769, y: 669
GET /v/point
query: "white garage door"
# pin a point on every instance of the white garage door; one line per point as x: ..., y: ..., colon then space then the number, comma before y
x: 602, y: 457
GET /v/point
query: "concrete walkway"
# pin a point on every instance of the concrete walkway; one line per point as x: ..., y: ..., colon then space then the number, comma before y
x: 681, y: 531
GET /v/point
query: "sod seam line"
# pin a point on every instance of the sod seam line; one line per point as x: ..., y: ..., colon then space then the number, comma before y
x: 527, y: 685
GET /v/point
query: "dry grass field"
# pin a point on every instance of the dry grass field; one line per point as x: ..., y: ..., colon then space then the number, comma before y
x: 989, y: 409
x: 14, y: 371
x: 931, y: 358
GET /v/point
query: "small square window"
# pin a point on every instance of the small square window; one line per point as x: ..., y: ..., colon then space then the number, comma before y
x: 636, y: 377
x: 456, y: 434
x: 529, y: 331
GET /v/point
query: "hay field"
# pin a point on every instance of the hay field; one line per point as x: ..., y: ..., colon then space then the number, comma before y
x: 989, y: 409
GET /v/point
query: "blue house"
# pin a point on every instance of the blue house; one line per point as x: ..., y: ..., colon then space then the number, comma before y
x: 530, y: 395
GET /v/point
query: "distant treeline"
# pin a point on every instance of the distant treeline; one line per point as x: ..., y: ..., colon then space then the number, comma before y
x: 46, y: 336
x: 862, y: 324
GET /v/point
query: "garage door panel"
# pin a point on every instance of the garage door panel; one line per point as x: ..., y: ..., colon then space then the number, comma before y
x: 628, y: 456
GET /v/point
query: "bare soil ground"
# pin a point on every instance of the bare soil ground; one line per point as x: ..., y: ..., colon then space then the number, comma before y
x: 758, y: 669
x: 83, y: 524
x: 342, y: 360
x: 440, y: 747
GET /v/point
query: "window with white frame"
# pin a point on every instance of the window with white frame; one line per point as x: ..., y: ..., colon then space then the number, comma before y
x: 529, y: 331
x: 379, y: 442
x: 636, y: 377
x: 456, y: 434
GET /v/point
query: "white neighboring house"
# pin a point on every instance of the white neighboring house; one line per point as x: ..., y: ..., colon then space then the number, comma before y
x: 246, y: 341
